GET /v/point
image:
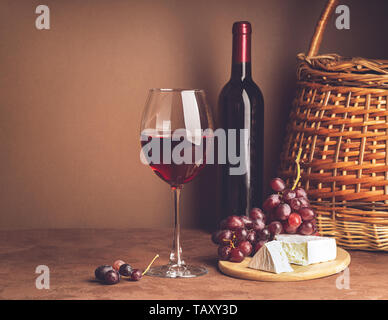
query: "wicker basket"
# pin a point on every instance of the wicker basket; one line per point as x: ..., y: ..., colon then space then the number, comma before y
x: 340, y: 121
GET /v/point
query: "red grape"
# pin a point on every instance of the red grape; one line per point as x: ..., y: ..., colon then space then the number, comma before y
x: 264, y: 234
x: 288, y: 195
x: 117, y: 264
x: 307, y: 214
x: 125, y: 270
x: 300, y: 193
x: 257, y: 214
x: 294, y: 220
x: 289, y: 229
x: 277, y: 185
x: 224, y: 252
x: 306, y: 228
x: 295, y: 204
x: 271, y: 203
x: 304, y: 203
x: 275, y: 227
x: 215, y: 236
x: 283, y: 211
x: 136, y: 275
x: 236, y: 255
x: 258, y: 225
x: 245, y: 247
x: 251, y: 237
x: 101, y: 270
x: 234, y: 223
x: 258, y: 245
x: 222, y: 236
x: 241, y: 234
x: 247, y: 222
x: 111, y: 277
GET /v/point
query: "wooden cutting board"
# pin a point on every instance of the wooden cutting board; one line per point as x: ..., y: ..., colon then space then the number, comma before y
x: 313, y: 271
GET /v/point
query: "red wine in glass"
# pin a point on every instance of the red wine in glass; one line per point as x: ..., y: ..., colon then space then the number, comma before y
x: 172, y: 173
x: 176, y: 158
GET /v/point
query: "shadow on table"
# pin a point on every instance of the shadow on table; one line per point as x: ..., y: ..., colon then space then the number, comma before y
x: 209, y: 261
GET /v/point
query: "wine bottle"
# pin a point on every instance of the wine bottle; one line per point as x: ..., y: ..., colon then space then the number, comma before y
x: 241, y: 107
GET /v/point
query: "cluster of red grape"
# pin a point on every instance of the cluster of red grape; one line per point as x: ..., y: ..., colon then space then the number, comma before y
x: 287, y: 211
x: 290, y: 209
x: 241, y: 236
x: 112, y: 274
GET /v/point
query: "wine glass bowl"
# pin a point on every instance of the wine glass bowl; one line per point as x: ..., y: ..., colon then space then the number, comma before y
x: 175, y: 128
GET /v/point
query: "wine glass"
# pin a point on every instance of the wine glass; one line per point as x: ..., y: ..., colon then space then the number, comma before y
x: 176, y: 127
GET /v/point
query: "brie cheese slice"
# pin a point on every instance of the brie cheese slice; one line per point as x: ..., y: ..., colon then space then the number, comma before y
x: 272, y: 258
x: 305, y: 250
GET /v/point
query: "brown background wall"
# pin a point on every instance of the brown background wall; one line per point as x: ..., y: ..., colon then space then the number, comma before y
x: 71, y: 98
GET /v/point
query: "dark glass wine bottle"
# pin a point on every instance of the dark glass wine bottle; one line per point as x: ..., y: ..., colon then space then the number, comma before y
x: 241, y: 106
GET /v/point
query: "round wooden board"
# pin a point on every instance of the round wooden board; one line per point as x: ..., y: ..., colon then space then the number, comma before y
x: 313, y: 271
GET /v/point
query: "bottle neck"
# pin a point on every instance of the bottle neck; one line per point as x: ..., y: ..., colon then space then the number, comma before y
x: 241, y: 57
x: 241, y: 70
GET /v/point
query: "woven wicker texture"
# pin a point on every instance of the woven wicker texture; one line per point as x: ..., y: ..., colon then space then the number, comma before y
x: 340, y: 120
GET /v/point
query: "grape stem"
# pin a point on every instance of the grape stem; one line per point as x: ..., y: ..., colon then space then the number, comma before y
x: 145, y: 271
x: 230, y: 241
x: 297, y: 161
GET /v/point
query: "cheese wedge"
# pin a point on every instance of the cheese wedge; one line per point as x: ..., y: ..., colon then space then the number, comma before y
x: 272, y: 258
x: 305, y: 250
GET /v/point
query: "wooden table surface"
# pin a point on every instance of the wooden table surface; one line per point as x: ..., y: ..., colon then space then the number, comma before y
x: 73, y: 254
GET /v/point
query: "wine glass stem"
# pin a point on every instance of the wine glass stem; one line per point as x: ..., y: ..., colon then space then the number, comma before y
x: 176, y: 253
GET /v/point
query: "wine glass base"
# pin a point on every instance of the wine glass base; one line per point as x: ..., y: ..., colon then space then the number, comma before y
x: 174, y: 271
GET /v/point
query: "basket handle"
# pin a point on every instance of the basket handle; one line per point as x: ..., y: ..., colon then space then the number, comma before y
x: 320, y: 27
